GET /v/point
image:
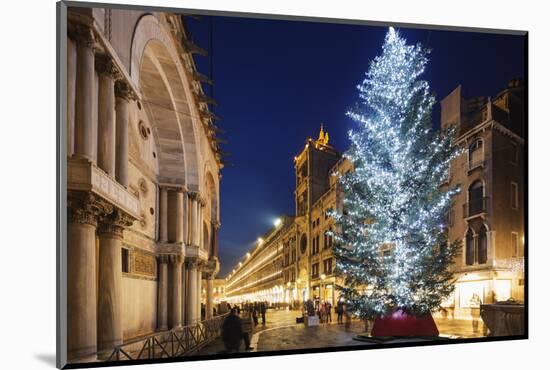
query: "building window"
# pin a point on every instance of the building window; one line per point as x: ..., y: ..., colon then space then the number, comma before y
x: 303, y: 243
x: 315, y: 270
x: 476, y: 201
x: 470, y: 247
x: 327, y: 264
x: 515, y: 244
x: 475, y: 154
x: 482, y: 246
x: 329, y: 238
x: 514, y: 195
x: 315, y: 245
x: 125, y: 267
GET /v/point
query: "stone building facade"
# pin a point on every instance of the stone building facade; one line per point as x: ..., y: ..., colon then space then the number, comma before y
x: 143, y: 168
x: 487, y: 216
x: 299, y: 251
x: 259, y: 276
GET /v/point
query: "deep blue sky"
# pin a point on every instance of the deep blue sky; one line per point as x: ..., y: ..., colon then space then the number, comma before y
x: 277, y: 81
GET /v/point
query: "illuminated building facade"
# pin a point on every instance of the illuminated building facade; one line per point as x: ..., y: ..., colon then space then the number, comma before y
x: 294, y: 261
x: 259, y: 277
x: 488, y: 214
x: 143, y: 170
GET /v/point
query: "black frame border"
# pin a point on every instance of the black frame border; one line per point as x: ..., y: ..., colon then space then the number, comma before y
x: 61, y: 186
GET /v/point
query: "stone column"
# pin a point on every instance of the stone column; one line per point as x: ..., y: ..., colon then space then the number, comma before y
x: 201, y: 225
x: 81, y: 279
x: 195, y: 220
x: 199, y: 291
x: 183, y: 294
x: 192, y: 296
x: 215, y: 228
x: 163, y: 219
x: 162, y: 303
x: 179, y: 216
x: 209, y: 297
x: 185, y: 211
x: 106, y: 114
x: 85, y: 74
x: 109, y: 305
x: 122, y: 92
x: 71, y: 88
x: 175, y: 301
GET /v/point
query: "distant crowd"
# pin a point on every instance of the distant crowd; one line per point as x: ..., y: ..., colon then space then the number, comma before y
x: 244, y: 317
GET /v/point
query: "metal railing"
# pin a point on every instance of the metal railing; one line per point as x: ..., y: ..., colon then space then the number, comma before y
x: 173, y: 343
x: 475, y: 207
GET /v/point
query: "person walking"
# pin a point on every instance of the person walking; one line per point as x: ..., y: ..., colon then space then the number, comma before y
x: 340, y: 311
x: 232, y: 331
x: 255, y: 313
x: 329, y: 315
x: 263, y: 309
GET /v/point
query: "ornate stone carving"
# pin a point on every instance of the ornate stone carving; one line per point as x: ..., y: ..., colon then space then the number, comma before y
x: 83, y: 34
x: 163, y: 258
x: 143, y: 263
x: 192, y: 263
x: 82, y: 216
x: 123, y: 90
x: 194, y: 195
x: 87, y: 208
x: 104, y: 64
x: 175, y: 258
x: 115, y: 222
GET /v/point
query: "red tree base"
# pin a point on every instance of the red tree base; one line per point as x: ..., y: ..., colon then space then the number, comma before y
x: 401, y: 324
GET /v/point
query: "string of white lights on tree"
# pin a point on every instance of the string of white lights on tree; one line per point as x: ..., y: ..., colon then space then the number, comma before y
x: 392, y: 247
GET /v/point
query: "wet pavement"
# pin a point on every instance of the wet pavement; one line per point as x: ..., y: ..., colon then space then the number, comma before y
x: 281, y: 332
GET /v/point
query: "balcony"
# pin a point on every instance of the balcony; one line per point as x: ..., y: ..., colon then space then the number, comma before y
x: 85, y: 176
x: 476, y: 207
x: 472, y: 165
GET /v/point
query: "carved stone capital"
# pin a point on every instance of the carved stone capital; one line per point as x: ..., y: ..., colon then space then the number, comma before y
x: 82, y: 34
x: 211, y: 267
x: 86, y: 208
x: 82, y: 216
x: 115, y: 223
x: 194, y: 195
x: 123, y: 91
x: 175, y: 259
x: 192, y: 263
x: 104, y: 65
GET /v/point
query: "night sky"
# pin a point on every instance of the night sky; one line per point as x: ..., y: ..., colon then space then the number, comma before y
x: 277, y: 81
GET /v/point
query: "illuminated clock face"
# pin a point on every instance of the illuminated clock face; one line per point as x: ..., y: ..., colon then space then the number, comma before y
x: 303, y: 243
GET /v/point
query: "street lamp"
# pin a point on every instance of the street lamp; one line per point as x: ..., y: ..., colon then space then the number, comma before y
x: 260, y: 241
x: 277, y: 222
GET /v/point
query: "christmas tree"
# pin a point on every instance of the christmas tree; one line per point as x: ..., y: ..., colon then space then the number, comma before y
x: 391, y: 247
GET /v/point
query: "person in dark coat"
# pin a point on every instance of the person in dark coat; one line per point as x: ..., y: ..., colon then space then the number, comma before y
x: 255, y: 313
x: 232, y: 331
x: 340, y: 311
x: 263, y: 309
